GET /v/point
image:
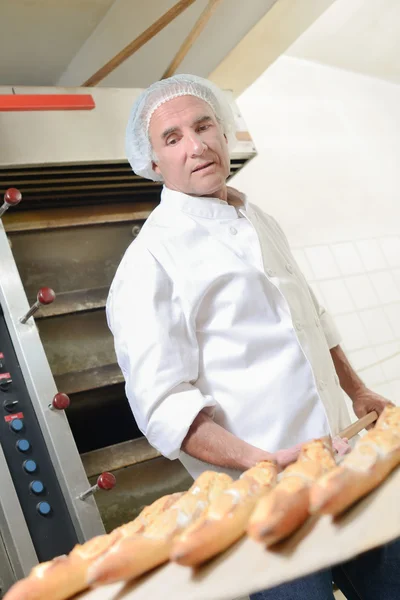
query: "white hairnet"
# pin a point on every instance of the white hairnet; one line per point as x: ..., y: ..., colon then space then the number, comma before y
x: 137, y: 141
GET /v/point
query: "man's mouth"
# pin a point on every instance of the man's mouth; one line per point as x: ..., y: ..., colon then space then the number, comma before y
x: 203, y: 166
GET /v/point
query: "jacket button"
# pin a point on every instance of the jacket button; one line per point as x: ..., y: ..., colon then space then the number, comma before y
x: 270, y: 272
x: 321, y: 385
x: 289, y: 268
x: 298, y: 325
x: 233, y: 230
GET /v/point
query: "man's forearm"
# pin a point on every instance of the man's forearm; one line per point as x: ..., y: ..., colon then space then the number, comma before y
x: 209, y: 442
x: 349, y: 380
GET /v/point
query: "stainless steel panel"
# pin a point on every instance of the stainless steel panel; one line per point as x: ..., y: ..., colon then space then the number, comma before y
x: 70, y: 259
x: 77, y: 342
x: 41, y: 387
x: 68, y: 137
x: 7, y: 576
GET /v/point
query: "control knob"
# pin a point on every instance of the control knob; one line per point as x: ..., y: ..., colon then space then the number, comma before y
x: 10, y: 405
x: 105, y: 481
x: 5, y: 381
x: 45, y: 296
x: 12, y: 197
x: 60, y: 402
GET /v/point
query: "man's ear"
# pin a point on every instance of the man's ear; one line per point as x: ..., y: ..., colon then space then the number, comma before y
x: 155, y: 168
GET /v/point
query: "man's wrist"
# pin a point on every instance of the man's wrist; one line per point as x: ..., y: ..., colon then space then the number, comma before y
x: 349, y: 380
x: 255, y: 456
x: 359, y: 391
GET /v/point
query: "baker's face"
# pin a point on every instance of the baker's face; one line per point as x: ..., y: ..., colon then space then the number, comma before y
x: 190, y: 147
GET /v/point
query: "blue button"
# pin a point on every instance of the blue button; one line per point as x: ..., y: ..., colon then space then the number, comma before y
x: 30, y: 466
x: 43, y: 508
x: 37, y: 487
x: 16, y: 425
x: 23, y: 445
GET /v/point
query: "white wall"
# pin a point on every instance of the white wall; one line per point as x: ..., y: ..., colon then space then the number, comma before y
x: 328, y: 170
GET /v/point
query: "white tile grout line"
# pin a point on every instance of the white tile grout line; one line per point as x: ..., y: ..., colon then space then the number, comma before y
x: 372, y: 345
x: 375, y: 238
x: 366, y: 273
x: 379, y: 362
x: 384, y: 382
x: 355, y: 274
x: 357, y: 311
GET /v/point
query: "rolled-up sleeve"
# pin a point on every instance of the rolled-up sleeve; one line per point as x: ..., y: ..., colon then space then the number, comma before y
x: 156, y: 347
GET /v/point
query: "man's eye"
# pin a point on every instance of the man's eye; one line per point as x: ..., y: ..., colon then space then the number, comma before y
x: 172, y: 142
x: 204, y: 127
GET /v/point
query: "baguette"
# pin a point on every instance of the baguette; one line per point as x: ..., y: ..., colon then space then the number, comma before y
x: 374, y: 456
x: 390, y: 419
x: 286, y: 507
x: 226, y: 518
x: 65, y: 576
x: 149, y: 514
x: 137, y: 554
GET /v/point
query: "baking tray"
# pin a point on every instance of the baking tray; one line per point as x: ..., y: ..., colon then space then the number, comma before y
x: 248, y: 567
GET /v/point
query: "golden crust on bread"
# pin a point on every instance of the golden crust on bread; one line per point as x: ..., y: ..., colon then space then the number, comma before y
x: 137, y: 554
x: 286, y: 507
x: 65, y: 576
x: 374, y: 456
x: 225, y: 520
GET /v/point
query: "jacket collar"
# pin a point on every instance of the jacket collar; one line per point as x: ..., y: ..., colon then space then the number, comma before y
x: 208, y: 208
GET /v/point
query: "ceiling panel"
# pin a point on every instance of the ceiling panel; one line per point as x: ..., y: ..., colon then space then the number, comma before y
x: 357, y: 35
x: 230, y: 22
x: 64, y: 42
x: 40, y: 37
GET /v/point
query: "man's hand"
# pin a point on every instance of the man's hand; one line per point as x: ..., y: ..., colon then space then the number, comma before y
x: 287, y: 456
x: 341, y: 445
x: 366, y: 401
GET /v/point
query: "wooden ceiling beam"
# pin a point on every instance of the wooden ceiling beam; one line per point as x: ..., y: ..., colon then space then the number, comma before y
x: 192, y: 37
x: 137, y: 43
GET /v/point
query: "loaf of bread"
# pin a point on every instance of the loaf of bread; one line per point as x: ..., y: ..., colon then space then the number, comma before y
x: 65, y: 576
x: 374, y: 456
x: 390, y: 419
x: 226, y: 518
x: 136, y: 554
x: 149, y: 514
x: 286, y: 507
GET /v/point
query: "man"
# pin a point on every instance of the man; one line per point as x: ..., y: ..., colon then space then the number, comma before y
x: 228, y: 357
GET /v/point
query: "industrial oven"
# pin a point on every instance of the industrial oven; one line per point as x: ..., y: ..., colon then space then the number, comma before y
x: 64, y: 417
x: 45, y: 501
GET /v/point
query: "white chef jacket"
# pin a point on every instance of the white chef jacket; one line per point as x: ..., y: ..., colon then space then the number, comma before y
x: 209, y: 310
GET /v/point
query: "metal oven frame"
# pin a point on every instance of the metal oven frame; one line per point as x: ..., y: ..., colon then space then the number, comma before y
x: 17, y: 553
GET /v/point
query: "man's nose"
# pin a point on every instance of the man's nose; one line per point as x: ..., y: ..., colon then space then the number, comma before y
x: 196, y: 146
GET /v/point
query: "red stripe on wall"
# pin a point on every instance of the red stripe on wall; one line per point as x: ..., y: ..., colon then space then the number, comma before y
x: 28, y: 102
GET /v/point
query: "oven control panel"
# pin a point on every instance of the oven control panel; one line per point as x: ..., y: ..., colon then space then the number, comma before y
x: 28, y: 459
